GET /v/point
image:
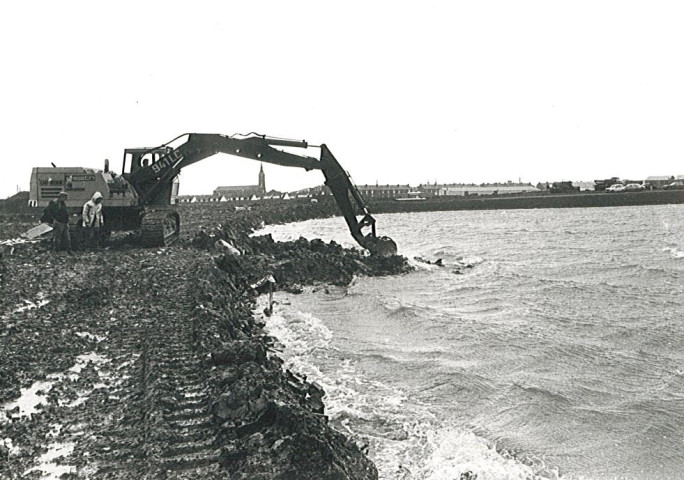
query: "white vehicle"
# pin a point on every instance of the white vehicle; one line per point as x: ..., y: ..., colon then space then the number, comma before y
x: 634, y: 187
x: 618, y: 187
x: 674, y: 186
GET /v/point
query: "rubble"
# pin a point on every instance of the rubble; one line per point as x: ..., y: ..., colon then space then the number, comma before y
x: 175, y: 378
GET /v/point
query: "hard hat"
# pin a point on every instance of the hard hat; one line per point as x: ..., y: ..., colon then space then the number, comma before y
x: 63, y: 194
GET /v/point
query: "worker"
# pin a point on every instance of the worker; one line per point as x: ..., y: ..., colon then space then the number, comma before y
x: 56, y: 213
x: 93, y: 220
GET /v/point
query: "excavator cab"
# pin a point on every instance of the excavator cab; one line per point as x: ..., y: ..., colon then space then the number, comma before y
x: 139, y: 158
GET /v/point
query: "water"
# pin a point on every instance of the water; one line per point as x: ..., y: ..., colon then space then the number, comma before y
x: 559, y: 354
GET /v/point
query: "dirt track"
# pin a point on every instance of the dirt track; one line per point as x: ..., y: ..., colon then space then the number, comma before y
x: 137, y: 404
x: 149, y: 364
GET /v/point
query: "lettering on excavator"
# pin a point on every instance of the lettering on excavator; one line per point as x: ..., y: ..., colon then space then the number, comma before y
x: 168, y: 161
x: 82, y: 178
x: 51, y: 181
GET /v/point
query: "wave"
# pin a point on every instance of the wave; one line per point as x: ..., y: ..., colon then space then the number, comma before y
x: 457, y: 451
x: 395, y: 309
x: 444, y: 251
x: 405, y: 438
x: 581, y: 312
x: 543, y: 394
x: 419, y: 263
x: 406, y: 442
x: 455, y: 258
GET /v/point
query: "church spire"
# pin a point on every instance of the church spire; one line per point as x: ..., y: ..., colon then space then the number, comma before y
x: 262, y: 179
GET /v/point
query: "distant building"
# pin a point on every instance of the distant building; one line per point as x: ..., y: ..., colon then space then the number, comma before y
x: 461, y: 189
x: 430, y: 190
x: 658, y: 181
x: 319, y: 191
x: 209, y: 198
x: 605, y: 183
x: 371, y: 192
x: 272, y: 195
x: 563, y: 186
x: 200, y: 199
x: 584, y: 186
x: 234, y: 193
x: 243, y: 192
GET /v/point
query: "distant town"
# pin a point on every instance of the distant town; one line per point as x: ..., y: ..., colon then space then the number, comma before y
x: 259, y: 192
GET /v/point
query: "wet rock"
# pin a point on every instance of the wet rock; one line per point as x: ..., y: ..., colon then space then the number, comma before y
x: 239, y: 352
x: 223, y: 246
x: 437, y: 262
x: 294, y: 288
x: 315, y: 397
x: 231, y: 406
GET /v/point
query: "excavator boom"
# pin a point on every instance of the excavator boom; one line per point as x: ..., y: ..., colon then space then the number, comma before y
x: 153, y: 183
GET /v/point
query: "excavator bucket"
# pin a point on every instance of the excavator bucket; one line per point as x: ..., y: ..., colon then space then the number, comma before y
x: 381, y: 246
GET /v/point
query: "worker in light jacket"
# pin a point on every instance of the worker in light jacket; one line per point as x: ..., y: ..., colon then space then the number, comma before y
x: 93, y: 220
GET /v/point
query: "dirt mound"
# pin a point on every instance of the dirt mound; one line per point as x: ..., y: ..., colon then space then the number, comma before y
x: 17, y: 204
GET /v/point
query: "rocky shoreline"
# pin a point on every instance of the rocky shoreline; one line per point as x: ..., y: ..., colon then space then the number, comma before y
x: 149, y: 363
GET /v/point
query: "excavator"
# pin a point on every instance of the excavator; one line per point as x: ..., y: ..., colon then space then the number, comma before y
x: 141, y: 198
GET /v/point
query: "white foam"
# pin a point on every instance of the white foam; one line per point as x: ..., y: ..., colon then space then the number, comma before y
x: 404, y: 438
x: 299, y: 339
x: 299, y: 334
x: 421, y: 264
x: 427, y: 450
x: 473, y: 260
x: 674, y: 252
x: 455, y: 451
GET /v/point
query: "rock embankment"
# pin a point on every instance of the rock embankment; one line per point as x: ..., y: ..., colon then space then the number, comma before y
x: 149, y: 363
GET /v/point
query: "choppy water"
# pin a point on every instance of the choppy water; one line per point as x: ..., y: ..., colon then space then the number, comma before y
x: 560, y: 354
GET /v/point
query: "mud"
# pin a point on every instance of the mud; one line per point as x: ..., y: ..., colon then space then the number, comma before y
x: 148, y: 363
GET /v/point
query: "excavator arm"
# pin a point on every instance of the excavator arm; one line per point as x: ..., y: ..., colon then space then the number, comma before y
x: 153, y: 182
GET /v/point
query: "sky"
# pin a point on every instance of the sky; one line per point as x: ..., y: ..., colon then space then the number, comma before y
x: 401, y: 92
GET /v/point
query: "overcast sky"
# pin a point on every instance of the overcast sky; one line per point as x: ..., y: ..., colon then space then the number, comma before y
x: 401, y: 92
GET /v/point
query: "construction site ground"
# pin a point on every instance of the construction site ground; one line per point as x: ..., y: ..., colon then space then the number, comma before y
x: 132, y: 363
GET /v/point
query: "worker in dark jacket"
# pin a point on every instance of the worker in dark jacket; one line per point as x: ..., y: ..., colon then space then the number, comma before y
x: 57, y: 214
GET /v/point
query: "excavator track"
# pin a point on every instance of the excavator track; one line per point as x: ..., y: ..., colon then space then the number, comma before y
x: 165, y: 428
x: 146, y: 391
x: 159, y: 228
